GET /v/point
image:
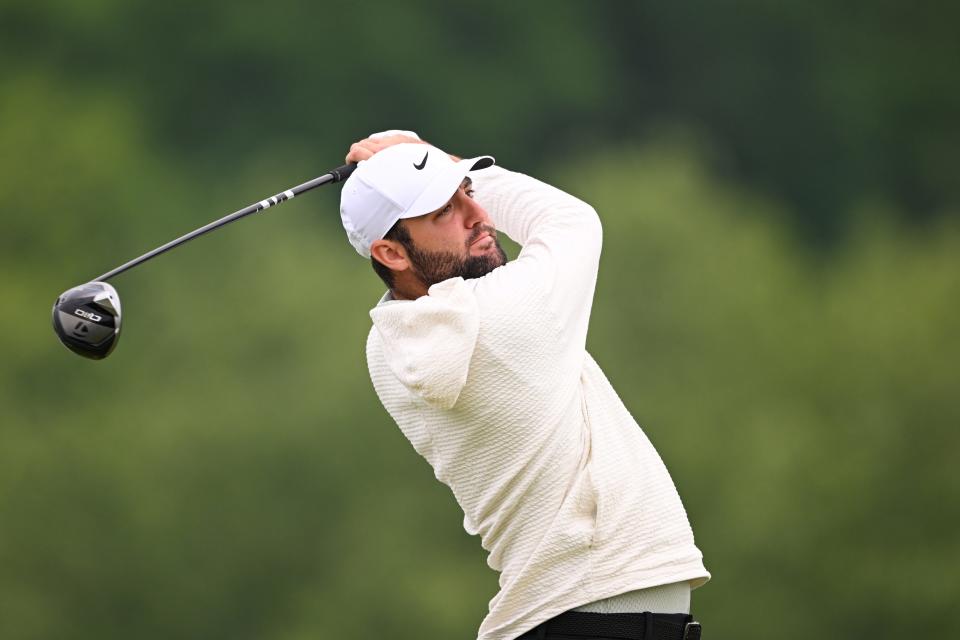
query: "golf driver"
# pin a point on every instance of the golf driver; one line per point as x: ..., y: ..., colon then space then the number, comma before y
x: 87, y: 317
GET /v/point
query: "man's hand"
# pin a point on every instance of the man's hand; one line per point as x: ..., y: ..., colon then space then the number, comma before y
x: 364, y: 149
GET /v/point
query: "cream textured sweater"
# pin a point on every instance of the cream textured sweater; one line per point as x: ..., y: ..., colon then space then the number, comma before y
x: 491, y: 382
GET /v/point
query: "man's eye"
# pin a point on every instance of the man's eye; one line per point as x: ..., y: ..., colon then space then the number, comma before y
x: 469, y: 193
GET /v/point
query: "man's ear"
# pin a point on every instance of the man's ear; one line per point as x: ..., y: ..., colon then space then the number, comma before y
x: 391, y: 254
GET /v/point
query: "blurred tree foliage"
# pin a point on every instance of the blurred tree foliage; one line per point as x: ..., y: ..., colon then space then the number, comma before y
x: 814, y: 102
x: 229, y: 473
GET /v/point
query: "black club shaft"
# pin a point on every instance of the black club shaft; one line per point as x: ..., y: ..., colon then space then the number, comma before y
x: 337, y: 175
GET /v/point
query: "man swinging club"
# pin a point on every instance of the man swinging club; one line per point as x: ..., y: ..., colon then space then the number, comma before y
x: 482, y: 364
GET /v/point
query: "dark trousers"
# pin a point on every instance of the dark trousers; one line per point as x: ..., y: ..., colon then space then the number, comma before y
x: 616, y: 626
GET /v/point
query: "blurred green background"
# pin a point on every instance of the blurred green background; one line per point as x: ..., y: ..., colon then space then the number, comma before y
x: 777, y: 304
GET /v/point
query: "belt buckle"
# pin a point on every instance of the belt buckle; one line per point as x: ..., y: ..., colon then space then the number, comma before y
x: 691, y: 631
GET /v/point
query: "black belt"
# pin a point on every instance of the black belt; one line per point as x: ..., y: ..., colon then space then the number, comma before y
x: 617, y: 626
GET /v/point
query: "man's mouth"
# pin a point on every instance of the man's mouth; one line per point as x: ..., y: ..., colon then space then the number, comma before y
x: 484, y: 235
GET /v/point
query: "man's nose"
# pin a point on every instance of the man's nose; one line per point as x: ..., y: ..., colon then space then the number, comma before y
x: 473, y: 213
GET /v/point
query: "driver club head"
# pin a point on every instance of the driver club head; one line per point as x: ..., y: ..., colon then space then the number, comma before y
x: 86, y: 318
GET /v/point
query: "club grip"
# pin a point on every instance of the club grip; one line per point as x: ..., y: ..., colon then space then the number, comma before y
x: 342, y: 173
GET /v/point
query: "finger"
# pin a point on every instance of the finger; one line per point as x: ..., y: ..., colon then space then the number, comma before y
x: 375, y: 144
x: 360, y: 151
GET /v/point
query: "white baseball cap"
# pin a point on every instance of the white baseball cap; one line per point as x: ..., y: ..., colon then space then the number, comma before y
x: 402, y: 181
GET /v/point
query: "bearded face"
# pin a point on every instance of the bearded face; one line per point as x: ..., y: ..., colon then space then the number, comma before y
x: 432, y: 267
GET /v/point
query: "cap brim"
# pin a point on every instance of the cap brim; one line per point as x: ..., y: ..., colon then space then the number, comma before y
x: 442, y: 187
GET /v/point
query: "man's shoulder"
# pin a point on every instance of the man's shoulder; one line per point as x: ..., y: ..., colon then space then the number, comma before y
x: 426, y: 344
x: 374, y: 344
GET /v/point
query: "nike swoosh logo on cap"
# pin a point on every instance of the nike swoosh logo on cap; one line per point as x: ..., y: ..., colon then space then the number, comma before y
x: 423, y: 162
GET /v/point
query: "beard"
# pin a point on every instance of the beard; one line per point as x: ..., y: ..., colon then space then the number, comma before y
x: 432, y: 267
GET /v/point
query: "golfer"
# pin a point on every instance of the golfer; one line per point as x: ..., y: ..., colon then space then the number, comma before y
x: 482, y: 364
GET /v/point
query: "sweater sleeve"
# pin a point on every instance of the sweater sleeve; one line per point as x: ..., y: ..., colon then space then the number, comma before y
x: 561, y: 239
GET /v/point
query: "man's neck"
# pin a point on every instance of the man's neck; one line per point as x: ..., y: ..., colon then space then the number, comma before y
x: 396, y: 294
x: 407, y: 288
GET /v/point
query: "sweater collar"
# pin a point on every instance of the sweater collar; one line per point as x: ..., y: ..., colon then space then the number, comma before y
x: 429, y: 342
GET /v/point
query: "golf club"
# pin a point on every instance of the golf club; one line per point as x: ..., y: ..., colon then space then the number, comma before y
x: 87, y: 318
